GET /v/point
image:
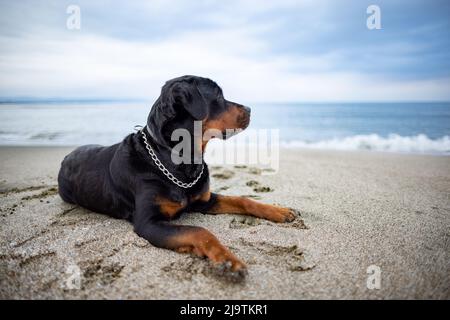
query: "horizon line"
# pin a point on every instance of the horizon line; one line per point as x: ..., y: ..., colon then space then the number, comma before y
x: 68, y: 100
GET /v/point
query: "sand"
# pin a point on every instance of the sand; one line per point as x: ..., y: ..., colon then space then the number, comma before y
x: 358, y: 209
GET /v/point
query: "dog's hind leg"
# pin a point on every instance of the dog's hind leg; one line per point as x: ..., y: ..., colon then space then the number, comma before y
x: 64, y: 189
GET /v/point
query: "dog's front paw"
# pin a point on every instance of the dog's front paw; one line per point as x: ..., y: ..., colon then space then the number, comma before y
x: 225, y: 263
x: 280, y: 214
x: 288, y: 214
x: 231, y: 271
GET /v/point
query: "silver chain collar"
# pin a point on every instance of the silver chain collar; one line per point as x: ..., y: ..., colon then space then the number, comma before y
x: 164, y: 169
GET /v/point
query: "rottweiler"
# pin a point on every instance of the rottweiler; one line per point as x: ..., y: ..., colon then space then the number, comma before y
x: 137, y: 180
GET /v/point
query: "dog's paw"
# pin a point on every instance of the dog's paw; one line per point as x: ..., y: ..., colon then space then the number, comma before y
x: 280, y: 214
x: 231, y: 271
x: 295, y: 212
x: 288, y: 214
x: 225, y: 263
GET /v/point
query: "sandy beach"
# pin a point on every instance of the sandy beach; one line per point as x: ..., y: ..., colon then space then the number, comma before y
x: 358, y: 209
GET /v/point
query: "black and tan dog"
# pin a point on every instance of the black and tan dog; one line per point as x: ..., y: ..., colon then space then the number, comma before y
x: 123, y: 181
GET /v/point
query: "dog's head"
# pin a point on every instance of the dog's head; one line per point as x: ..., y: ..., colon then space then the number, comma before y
x: 187, y: 99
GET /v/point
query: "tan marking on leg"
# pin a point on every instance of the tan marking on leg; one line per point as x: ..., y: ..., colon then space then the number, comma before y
x: 203, y: 197
x: 168, y: 207
x: 240, y: 205
x: 203, y: 243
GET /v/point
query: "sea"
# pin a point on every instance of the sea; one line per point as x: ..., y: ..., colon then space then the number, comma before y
x: 409, y: 127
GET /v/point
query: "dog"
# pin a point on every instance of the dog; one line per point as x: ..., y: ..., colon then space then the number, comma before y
x: 128, y: 181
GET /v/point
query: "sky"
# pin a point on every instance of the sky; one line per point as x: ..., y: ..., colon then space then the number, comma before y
x: 257, y: 51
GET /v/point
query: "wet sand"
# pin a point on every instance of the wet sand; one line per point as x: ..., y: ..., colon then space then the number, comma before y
x: 358, y: 209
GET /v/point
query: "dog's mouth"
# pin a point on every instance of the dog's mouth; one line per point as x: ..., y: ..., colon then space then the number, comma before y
x: 244, y: 123
x: 243, y: 119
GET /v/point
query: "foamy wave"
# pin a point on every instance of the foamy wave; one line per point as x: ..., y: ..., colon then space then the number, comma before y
x: 393, y: 143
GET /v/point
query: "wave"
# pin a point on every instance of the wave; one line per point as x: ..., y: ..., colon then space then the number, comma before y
x: 373, y: 142
x: 393, y: 143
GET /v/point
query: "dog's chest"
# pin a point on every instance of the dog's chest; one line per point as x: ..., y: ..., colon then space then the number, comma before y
x: 170, y: 207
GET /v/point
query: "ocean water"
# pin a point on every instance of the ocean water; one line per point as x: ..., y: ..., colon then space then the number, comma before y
x: 390, y: 127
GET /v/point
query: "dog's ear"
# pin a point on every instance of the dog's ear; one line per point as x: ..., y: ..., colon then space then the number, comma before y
x: 175, y: 95
x: 186, y: 94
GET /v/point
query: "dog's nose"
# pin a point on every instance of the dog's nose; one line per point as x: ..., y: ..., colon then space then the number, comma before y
x: 247, y: 109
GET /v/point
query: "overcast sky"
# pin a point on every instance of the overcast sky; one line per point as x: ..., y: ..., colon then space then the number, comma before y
x: 258, y: 51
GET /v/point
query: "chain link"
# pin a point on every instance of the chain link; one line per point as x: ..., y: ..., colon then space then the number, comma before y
x: 164, y: 169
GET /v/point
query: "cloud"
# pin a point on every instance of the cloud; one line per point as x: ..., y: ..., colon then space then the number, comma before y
x: 246, y: 48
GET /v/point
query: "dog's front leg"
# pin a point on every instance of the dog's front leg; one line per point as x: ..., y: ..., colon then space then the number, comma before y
x: 186, y: 239
x: 218, y: 204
